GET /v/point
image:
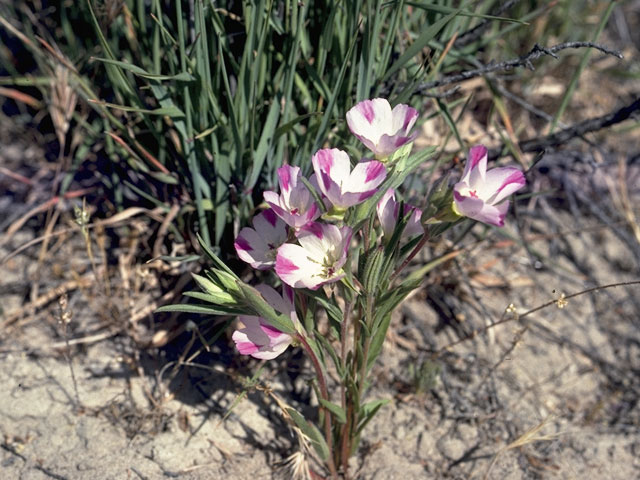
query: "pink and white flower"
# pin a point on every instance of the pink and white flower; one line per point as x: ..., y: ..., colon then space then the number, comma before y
x: 342, y: 186
x: 258, y: 245
x: 481, y: 194
x: 388, y: 210
x: 295, y: 204
x: 318, y: 259
x: 381, y: 129
x: 259, y: 339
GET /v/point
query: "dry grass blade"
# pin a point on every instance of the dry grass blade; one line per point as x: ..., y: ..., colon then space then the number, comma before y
x: 20, y: 97
x: 627, y: 206
x: 59, y: 291
x: 108, y: 222
x: 18, y: 224
x: 530, y: 436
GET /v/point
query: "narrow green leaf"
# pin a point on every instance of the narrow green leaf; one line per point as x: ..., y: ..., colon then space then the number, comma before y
x: 141, y: 72
x: 188, y: 308
x: 264, y: 310
x: 424, y: 38
x: 463, y: 13
x: 312, y: 433
x: 267, y: 140
x: 219, y: 263
x: 173, y: 112
x: 336, y: 410
x: 368, y: 411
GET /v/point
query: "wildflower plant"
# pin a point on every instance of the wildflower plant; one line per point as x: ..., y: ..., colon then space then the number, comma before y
x: 339, y: 242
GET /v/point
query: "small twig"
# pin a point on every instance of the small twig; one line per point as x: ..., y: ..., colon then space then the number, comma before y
x: 524, y: 61
x: 445, y: 94
x: 504, y: 320
x: 48, y: 297
x: 577, y: 130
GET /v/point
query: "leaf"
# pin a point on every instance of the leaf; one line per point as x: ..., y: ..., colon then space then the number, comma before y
x: 312, y: 432
x: 173, y: 112
x: 180, y: 77
x: 188, y: 308
x: 264, y: 310
x: 267, y: 140
x: 424, y: 38
x: 368, y: 410
x: 462, y: 13
x: 219, y: 263
x: 336, y: 410
x: 332, y: 353
x: 332, y: 310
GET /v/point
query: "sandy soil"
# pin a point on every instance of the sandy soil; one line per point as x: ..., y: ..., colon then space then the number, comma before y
x: 551, y: 395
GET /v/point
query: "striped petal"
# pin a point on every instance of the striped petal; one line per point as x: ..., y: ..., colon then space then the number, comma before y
x: 258, y: 339
x: 258, y: 246
x: 342, y: 187
x: 381, y: 129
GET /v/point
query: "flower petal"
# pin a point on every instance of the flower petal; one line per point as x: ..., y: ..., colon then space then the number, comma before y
x: 403, y: 119
x: 296, y: 269
x: 477, y: 209
x: 259, y: 339
x: 365, y: 177
x: 252, y: 248
x: 476, y: 166
x: 332, y: 167
x: 387, y: 210
x: 500, y: 183
x: 369, y: 120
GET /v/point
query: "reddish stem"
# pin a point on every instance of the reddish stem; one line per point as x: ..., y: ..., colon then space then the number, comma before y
x: 322, y: 384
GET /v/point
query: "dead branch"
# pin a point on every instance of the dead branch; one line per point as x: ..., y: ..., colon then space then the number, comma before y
x: 524, y: 61
x: 577, y: 130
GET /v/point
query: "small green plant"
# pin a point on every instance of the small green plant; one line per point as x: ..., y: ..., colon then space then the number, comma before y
x: 339, y: 242
x: 424, y: 376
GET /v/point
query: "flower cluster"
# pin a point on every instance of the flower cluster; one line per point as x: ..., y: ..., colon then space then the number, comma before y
x: 303, y: 236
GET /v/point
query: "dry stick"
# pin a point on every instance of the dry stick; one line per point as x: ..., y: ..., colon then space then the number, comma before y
x: 577, y: 130
x: 112, y: 222
x: 524, y: 61
x: 48, y: 297
x: 475, y: 333
x: 322, y: 384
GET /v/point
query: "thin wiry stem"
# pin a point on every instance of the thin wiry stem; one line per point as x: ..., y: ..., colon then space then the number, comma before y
x: 523, y: 61
x: 322, y: 384
x: 507, y: 319
x: 579, y: 129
